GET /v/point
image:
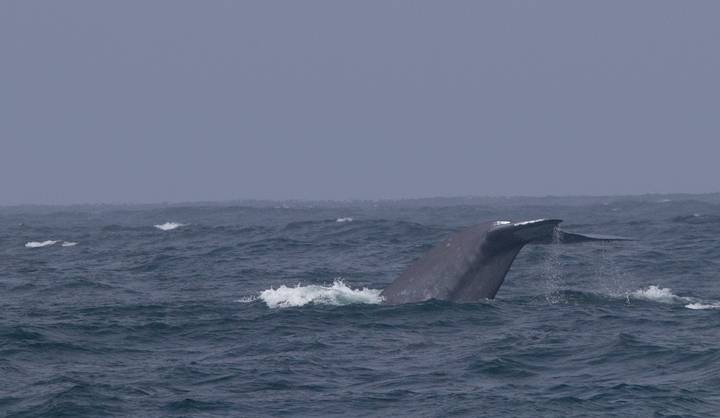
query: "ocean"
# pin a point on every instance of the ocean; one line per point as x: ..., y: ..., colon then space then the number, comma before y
x: 257, y: 309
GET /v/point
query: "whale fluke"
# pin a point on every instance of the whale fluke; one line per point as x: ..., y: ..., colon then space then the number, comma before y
x: 472, y: 264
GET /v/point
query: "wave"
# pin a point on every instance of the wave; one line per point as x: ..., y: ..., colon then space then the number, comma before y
x: 167, y: 226
x: 337, y: 294
x: 36, y: 244
x: 344, y: 220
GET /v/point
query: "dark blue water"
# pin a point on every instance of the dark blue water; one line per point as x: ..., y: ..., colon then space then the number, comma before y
x: 272, y: 310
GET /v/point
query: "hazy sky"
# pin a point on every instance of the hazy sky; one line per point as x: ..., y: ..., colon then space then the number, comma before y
x: 147, y: 101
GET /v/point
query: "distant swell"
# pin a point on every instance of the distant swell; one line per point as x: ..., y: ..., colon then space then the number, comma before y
x: 336, y: 294
x: 169, y: 225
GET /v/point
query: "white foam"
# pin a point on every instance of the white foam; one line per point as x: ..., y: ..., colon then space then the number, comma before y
x: 36, y: 244
x: 169, y: 225
x: 344, y: 220
x: 337, y: 294
x: 656, y: 294
x: 247, y: 299
x: 69, y: 244
x: 665, y: 295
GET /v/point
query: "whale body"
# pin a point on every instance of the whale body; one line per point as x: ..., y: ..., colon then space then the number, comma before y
x: 472, y: 264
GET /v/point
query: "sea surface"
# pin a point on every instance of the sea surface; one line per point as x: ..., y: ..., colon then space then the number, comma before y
x: 257, y: 309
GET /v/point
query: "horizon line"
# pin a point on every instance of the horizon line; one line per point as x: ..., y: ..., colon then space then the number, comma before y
x: 256, y: 201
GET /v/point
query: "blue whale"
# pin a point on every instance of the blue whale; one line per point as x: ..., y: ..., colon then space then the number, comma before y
x: 472, y: 264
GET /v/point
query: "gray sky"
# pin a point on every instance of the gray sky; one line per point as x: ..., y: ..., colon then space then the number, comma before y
x: 133, y: 102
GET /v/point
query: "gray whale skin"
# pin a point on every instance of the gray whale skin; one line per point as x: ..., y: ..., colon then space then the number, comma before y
x: 472, y: 264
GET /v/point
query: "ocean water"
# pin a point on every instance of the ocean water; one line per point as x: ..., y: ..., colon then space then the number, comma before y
x: 273, y: 309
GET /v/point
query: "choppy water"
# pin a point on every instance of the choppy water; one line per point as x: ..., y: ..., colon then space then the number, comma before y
x: 268, y: 310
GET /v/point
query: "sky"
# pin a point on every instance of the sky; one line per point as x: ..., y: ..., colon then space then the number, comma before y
x: 175, y: 101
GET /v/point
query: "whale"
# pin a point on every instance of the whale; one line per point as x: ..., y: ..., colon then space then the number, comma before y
x: 472, y: 264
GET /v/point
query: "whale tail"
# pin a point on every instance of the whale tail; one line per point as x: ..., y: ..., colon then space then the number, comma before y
x: 542, y: 231
x: 472, y: 264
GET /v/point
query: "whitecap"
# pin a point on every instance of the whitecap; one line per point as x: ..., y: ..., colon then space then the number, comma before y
x: 69, y: 244
x: 698, y: 305
x: 337, y: 294
x: 344, y: 220
x: 169, y: 225
x: 36, y: 244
